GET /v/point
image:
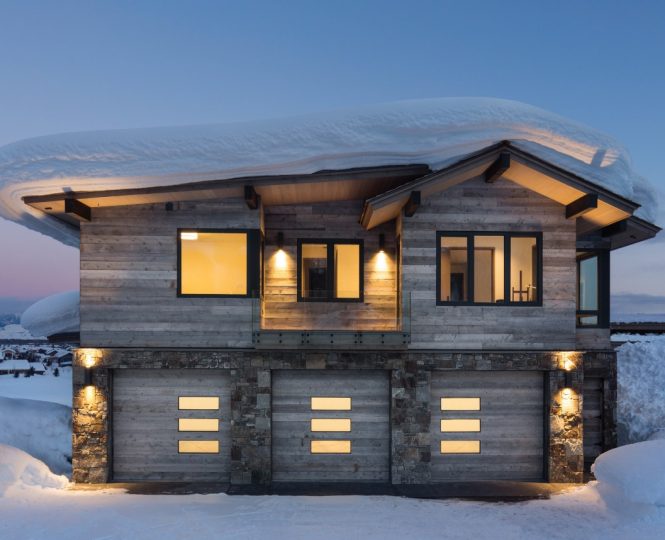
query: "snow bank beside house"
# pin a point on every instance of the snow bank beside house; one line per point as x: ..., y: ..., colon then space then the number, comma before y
x: 641, y: 390
x: 55, y: 314
x: 20, y: 470
x: 635, y: 472
x: 433, y: 131
x: 40, y: 428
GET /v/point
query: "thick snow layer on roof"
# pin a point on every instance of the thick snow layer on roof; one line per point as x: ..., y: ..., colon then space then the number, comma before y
x: 433, y: 131
x: 55, y: 314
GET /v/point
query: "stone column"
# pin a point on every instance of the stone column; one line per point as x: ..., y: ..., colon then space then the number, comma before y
x: 251, y: 436
x: 566, y: 447
x: 91, y: 461
x: 410, y: 424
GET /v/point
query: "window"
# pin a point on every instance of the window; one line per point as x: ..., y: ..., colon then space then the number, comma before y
x: 218, y: 263
x: 330, y: 270
x: 489, y: 268
x: 593, y: 289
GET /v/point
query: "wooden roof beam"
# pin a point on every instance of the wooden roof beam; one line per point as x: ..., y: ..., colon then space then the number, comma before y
x: 412, y: 204
x: 78, y: 209
x: 498, y: 168
x: 581, y: 206
x: 252, y: 198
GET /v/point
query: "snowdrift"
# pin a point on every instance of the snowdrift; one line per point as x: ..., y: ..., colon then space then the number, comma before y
x: 641, y: 390
x: 434, y: 131
x: 55, y: 314
x: 41, y: 428
x: 21, y: 470
x: 635, y: 472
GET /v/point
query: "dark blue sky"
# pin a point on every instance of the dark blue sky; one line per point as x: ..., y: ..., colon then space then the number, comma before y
x: 69, y: 66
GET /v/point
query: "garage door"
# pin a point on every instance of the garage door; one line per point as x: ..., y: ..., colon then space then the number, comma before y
x: 331, y: 426
x: 487, y: 426
x: 171, y: 425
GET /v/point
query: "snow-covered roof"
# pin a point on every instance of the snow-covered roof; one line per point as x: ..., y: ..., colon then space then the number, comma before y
x: 56, y: 314
x: 434, y: 132
x: 14, y: 365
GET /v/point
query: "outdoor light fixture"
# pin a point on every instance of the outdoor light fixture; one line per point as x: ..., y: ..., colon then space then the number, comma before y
x: 87, y: 376
x: 168, y: 207
x: 280, y: 240
x: 382, y: 242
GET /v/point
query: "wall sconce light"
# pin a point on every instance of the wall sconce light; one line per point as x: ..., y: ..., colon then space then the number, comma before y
x: 168, y: 207
x: 280, y: 240
x: 87, y: 376
x: 568, y: 381
x: 382, y: 242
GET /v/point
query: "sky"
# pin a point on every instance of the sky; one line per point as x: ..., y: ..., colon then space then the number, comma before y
x: 71, y: 66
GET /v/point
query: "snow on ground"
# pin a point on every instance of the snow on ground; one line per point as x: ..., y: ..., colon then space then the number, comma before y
x: 16, y: 331
x: 641, y: 389
x: 436, y: 132
x: 40, y: 387
x: 55, y: 314
x: 46, y: 513
x: 41, y: 428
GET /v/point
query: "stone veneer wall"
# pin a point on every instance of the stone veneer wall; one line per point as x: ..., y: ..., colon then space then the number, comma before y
x: 251, y: 402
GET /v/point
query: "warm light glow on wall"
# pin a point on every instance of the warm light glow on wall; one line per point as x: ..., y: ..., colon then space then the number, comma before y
x: 88, y: 357
x: 567, y: 360
x: 281, y: 260
x: 569, y: 401
x: 89, y: 394
x: 381, y: 262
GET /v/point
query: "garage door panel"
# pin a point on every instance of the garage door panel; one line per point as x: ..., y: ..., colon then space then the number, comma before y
x: 511, y: 425
x: 292, y: 435
x: 145, y: 425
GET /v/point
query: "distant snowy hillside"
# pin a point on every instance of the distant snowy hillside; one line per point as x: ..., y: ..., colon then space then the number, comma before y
x: 434, y: 131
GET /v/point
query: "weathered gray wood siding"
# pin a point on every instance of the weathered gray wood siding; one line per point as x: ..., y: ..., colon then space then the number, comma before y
x: 129, y: 279
x: 281, y: 309
x: 593, y: 338
x: 502, y: 206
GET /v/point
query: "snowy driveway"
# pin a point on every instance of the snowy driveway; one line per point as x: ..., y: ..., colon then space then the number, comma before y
x: 33, y: 513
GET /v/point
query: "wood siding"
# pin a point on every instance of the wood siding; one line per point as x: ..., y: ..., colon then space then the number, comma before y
x: 129, y: 279
x: 369, y: 458
x: 282, y: 311
x: 145, y: 425
x: 511, y: 426
x: 502, y: 206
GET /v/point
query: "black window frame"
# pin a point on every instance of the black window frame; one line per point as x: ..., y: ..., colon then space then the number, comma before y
x: 602, y: 314
x: 507, y: 235
x: 330, y: 275
x: 254, y: 239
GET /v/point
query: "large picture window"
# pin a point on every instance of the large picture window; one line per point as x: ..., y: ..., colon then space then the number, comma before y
x: 489, y: 268
x: 217, y: 263
x: 593, y: 289
x: 330, y: 270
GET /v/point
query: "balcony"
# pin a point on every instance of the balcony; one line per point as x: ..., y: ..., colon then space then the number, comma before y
x: 343, y: 328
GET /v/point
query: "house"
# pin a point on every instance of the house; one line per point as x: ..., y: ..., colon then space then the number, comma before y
x: 22, y: 367
x: 394, y: 323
